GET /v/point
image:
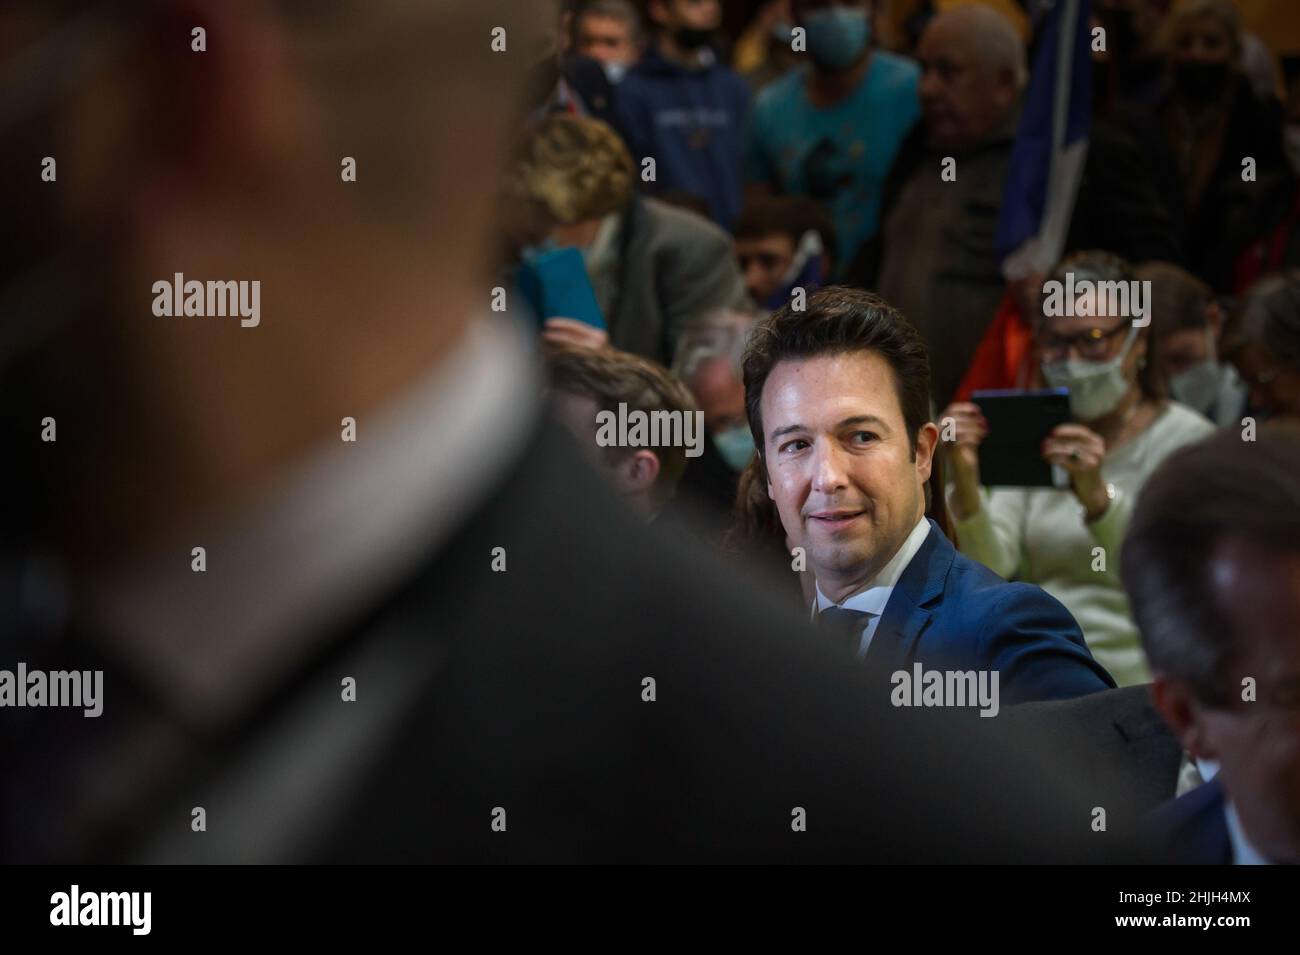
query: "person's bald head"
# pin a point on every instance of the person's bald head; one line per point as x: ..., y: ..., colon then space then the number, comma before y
x: 973, y: 64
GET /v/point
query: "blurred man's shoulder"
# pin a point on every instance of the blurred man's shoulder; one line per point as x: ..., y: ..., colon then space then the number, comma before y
x: 567, y: 542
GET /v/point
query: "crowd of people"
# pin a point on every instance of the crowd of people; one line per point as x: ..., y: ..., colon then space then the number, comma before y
x: 822, y: 160
x: 609, y: 472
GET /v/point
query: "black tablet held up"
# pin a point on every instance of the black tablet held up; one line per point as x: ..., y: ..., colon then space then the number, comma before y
x: 1011, y: 454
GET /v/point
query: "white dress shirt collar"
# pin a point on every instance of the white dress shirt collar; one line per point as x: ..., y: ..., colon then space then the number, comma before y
x: 1243, y: 852
x: 875, y: 595
x: 343, y: 526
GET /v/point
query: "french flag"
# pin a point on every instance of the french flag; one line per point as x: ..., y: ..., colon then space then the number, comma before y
x: 1051, y: 143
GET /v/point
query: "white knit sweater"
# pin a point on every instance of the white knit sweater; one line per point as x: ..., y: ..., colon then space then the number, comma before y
x: 1038, y: 535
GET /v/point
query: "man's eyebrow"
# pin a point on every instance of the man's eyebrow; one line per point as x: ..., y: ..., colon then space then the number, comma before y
x: 864, y: 419
x: 846, y: 423
x: 788, y: 429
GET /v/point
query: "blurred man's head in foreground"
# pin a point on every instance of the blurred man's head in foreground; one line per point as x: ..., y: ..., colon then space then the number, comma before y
x: 1211, y: 563
x: 235, y: 143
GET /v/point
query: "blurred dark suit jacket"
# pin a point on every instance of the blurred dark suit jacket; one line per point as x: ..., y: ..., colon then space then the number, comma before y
x: 524, y: 690
x: 1129, y: 758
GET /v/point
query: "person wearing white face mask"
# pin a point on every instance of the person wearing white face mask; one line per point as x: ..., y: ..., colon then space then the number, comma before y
x: 1068, y: 540
x: 1188, y: 325
x: 609, y: 31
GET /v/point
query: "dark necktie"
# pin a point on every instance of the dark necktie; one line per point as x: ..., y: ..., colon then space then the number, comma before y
x: 845, y: 626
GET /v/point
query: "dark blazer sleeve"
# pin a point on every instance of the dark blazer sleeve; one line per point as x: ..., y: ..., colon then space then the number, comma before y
x: 1037, y: 648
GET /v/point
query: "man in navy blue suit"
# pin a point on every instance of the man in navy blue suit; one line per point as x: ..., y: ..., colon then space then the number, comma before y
x: 838, y: 402
x: 1212, y: 567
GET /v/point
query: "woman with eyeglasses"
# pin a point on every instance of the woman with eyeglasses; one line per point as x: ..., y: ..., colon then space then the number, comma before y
x: 1262, y: 340
x: 1068, y: 540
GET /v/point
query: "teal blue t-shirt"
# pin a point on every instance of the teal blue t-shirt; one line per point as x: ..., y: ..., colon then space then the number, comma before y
x: 840, y: 155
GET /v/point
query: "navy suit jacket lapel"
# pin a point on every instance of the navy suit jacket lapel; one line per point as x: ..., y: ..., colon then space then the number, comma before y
x: 907, y: 614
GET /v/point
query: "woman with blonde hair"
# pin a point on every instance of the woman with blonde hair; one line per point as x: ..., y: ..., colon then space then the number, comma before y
x: 652, y: 266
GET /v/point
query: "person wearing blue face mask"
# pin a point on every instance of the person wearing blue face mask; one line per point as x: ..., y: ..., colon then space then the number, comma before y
x: 830, y: 129
x: 708, y: 363
x: 837, y: 35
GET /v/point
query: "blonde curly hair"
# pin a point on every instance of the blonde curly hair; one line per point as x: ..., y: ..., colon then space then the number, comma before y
x: 575, y: 168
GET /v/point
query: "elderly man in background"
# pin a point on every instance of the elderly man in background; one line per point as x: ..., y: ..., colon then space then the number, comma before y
x: 935, y: 257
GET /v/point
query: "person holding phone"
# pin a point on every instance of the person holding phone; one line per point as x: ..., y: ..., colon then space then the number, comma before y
x: 1068, y: 540
x: 652, y: 267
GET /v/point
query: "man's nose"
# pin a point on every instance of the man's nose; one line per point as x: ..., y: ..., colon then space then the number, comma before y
x: 829, y: 472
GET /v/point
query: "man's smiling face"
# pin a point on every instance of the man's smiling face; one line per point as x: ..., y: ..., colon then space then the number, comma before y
x: 840, y: 464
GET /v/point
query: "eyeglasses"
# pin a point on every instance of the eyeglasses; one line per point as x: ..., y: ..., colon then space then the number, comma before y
x: 1092, y: 345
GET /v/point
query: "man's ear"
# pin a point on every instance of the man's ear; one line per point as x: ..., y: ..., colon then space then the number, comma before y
x: 1177, y: 705
x: 927, y: 438
x: 638, y: 472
